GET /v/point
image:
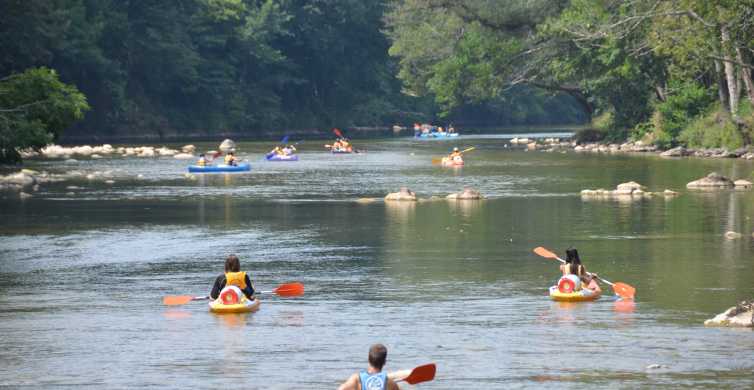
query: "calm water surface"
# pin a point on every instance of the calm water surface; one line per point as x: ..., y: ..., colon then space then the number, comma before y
x: 83, y: 271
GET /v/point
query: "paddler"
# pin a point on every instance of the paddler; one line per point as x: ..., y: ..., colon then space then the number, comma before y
x: 573, y: 266
x: 277, y: 151
x: 345, y: 145
x: 202, y: 160
x: 230, y: 159
x: 233, y: 277
x: 373, y: 378
x: 455, y: 154
x: 288, y: 150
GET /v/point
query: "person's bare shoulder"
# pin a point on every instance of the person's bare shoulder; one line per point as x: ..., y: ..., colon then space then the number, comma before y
x: 391, y: 385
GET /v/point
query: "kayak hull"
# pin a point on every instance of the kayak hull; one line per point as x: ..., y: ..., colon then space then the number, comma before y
x: 436, y: 135
x: 243, y: 167
x: 245, y: 306
x: 582, y: 295
x: 277, y: 157
x: 451, y: 163
x: 342, y: 151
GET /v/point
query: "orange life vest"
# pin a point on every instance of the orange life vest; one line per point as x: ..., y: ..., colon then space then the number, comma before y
x: 237, y: 279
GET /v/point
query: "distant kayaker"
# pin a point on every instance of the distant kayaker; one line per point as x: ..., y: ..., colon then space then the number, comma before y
x: 230, y: 159
x: 288, y: 150
x: 233, y: 277
x: 373, y: 378
x: 202, y: 160
x: 573, y: 266
x: 455, y: 154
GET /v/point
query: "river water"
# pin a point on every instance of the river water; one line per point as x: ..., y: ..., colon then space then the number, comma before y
x: 84, y: 266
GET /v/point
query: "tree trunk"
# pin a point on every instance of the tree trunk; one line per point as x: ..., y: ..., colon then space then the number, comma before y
x: 730, y: 72
x: 722, y: 90
x: 746, y: 75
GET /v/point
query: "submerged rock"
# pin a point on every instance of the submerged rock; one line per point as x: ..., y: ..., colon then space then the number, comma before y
x: 24, y: 195
x: 713, y: 180
x: 668, y: 192
x: 466, y: 194
x: 183, y: 156
x: 22, y: 179
x: 403, y: 194
x: 737, y: 316
x: 742, y: 184
x: 732, y: 235
x: 624, y: 191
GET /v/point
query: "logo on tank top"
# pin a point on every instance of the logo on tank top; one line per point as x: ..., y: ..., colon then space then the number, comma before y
x: 374, y: 383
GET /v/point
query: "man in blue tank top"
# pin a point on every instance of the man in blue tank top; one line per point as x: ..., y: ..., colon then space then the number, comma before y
x: 373, y: 378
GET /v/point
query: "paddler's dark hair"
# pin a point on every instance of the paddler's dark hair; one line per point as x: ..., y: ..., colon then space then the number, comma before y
x: 232, y: 264
x: 572, y: 257
x: 377, y: 356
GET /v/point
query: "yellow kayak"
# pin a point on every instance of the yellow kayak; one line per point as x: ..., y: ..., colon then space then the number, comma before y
x: 585, y: 294
x: 244, y: 306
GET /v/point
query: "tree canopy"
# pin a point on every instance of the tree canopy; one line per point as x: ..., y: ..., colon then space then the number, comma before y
x: 35, y: 107
x: 653, y: 67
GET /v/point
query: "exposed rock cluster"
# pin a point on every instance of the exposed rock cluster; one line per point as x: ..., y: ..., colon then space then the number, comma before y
x: 629, y: 190
x: 737, y: 316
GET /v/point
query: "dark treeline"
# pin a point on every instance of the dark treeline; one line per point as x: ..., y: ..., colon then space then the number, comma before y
x: 201, y: 67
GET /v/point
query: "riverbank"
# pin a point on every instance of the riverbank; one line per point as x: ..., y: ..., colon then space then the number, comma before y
x: 551, y: 145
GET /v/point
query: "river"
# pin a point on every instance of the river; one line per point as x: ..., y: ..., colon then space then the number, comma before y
x: 84, y: 266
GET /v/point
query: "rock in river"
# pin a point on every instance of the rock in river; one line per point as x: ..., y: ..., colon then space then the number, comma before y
x: 227, y: 146
x: 737, y: 316
x: 713, y: 180
x: 466, y: 194
x: 403, y: 194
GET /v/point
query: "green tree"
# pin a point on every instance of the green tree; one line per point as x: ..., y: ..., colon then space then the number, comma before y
x: 35, y: 107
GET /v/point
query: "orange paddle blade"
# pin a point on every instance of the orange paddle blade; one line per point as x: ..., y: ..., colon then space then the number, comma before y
x: 338, y: 133
x: 289, y: 289
x: 624, y: 290
x: 436, y: 160
x: 177, y: 299
x: 421, y: 374
x: 545, y: 253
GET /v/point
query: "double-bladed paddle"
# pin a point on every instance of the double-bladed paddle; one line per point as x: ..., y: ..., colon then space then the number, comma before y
x: 283, y: 290
x: 417, y: 375
x: 621, y: 289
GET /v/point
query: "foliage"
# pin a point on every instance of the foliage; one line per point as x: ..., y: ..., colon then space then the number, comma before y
x: 712, y: 130
x: 35, y: 107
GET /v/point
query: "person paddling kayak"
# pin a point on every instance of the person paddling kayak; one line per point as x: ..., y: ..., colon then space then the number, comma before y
x: 573, y: 266
x: 373, y: 378
x: 233, y: 277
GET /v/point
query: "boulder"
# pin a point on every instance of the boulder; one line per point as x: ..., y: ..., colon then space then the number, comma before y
x: 163, y: 151
x: 630, y: 186
x: 732, y: 235
x: 21, y: 179
x: 675, y: 152
x: 742, y: 184
x: 403, y: 194
x: 737, y: 316
x: 227, y: 146
x: 466, y: 194
x: 669, y: 193
x: 24, y: 195
x: 188, y: 149
x: 713, y: 180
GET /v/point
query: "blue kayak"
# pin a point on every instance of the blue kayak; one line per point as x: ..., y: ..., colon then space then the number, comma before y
x: 340, y: 151
x: 436, y: 135
x: 277, y: 157
x: 243, y: 167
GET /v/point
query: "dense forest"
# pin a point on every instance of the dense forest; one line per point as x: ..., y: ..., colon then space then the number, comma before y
x: 663, y: 71
x: 238, y: 66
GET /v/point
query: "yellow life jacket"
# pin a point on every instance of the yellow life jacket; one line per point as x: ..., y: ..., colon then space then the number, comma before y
x: 202, y: 162
x: 228, y: 159
x: 237, y: 279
